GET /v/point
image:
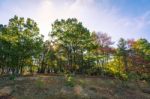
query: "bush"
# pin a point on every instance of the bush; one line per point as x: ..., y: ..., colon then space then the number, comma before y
x: 69, y: 80
x: 94, y: 71
x: 116, y: 74
x: 121, y: 76
x: 12, y: 77
x: 133, y: 76
x: 39, y: 83
x: 145, y: 76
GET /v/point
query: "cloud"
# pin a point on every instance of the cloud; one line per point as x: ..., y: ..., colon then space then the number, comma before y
x: 95, y: 15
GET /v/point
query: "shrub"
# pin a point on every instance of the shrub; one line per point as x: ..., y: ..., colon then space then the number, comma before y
x: 133, y: 76
x: 69, y: 80
x: 145, y: 76
x: 39, y: 83
x: 12, y: 77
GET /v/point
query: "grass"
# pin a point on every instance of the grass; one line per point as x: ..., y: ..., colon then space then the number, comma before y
x: 54, y: 87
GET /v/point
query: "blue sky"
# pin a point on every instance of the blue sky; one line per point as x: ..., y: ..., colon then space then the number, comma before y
x: 118, y: 18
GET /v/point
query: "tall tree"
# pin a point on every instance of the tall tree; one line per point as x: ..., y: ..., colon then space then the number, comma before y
x: 74, y: 38
x: 23, y: 43
x: 123, y: 52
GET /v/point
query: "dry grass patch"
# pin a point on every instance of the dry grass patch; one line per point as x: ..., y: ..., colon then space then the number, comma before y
x: 54, y: 87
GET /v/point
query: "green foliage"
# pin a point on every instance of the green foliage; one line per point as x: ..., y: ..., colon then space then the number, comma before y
x: 145, y: 76
x: 122, y: 52
x: 74, y: 40
x: 20, y: 44
x: 133, y: 76
x: 82, y: 82
x: 95, y: 71
x: 70, y: 81
x: 12, y: 77
x: 71, y: 48
x: 39, y: 83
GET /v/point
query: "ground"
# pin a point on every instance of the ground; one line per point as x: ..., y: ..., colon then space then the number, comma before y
x: 55, y: 87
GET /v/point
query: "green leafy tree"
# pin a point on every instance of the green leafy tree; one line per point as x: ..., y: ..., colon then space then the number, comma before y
x: 74, y: 38
x: 123, y: 52
x: 22, y: 43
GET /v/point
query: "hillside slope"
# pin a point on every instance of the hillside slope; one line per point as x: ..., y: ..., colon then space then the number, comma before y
x: 55, y: 87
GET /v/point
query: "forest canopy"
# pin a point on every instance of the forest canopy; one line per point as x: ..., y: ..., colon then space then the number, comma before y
x: 71, y: 48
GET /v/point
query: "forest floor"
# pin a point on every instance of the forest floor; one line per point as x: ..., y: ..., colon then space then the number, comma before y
x: 54, y: 87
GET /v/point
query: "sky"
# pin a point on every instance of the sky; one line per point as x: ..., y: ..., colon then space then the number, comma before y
x: 129, y: 19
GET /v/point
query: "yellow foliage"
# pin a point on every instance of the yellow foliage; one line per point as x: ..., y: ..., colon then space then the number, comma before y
x: 115, y: 66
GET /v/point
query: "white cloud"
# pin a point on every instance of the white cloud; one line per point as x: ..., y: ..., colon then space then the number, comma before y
x: 94, y: 15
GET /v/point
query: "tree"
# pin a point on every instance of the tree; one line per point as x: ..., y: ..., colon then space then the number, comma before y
x: 74, y: 38
x: 48, y: 58
x: 102, y: 50
x: 123, y: 52
x: 22, y: 43
x: 140, y: 57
